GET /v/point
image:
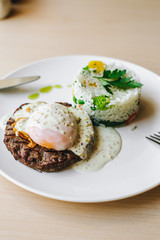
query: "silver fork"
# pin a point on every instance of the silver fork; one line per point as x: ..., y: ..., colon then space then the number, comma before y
x: 155, y: 138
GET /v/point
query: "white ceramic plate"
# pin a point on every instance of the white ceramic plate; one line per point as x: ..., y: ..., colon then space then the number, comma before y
x: 135, y: 170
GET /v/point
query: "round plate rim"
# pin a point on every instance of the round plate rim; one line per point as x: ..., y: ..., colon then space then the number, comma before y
x: 72, y: 199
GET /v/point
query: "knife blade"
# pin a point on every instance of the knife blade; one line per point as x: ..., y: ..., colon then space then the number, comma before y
x: 13, y: 82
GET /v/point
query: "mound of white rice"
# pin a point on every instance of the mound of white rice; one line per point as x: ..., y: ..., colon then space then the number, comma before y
x: 122, y: 106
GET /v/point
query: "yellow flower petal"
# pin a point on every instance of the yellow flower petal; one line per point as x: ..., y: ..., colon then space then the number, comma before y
x: 98, y: 65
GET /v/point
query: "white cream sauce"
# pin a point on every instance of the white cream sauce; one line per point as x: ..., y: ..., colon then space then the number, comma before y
x: 85, y: 136
x: 4, y: 120
x: 107, y: 146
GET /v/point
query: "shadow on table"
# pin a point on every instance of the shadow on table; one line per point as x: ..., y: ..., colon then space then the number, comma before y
x: 145, y: 204
x: 139, y: 209
x: 21, y: 1
x: 20, y: 6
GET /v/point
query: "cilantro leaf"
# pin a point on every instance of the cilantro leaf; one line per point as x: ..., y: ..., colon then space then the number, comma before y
x: 115, y: 74
x: 120, y: 85
x: 134, y: 84
x: 125, y: 79
x: 105, y: 85
x: 117, y: 78
x: 103, y: 81
x: 127, y: 85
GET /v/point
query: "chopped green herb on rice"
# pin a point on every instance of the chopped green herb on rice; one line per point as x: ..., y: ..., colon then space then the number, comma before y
x: 110, y: 94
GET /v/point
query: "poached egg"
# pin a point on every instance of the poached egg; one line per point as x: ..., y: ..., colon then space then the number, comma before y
x: 55, y: 126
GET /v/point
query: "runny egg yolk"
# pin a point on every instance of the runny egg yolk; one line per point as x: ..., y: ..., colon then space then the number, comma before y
x: 52, y: 126
x: 51, y: 139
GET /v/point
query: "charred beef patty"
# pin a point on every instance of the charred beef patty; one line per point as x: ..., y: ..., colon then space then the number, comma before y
x: 39, y: 158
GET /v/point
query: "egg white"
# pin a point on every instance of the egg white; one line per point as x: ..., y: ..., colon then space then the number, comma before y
x: 108, y: 144
x: 43, y: 115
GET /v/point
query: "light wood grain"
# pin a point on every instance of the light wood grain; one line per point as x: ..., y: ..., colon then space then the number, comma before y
x: 38, y: 29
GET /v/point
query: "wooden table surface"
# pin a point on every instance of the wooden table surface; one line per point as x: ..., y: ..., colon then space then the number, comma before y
x: 37, y: 29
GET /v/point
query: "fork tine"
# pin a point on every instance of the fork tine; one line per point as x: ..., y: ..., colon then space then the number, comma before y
x: 152, y: 138
x: 158, y: 136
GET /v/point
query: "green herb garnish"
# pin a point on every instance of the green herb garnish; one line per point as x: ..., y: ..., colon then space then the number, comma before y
x: 93, y: 108
x: 74, y: 99
x: 106, y: 85
x: 100, y: 102
x: 86, y: 68
x: 117, y: 78
x: 77, y: 101
x: 80, y: 101
x: 114, y: 75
